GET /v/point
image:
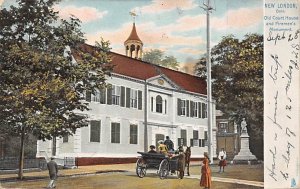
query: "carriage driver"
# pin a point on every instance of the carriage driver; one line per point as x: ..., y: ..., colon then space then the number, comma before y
x: 169, y: 143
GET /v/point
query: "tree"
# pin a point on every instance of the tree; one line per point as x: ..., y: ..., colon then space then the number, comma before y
x: 237, y: 77
x: 41, y: 86
x: 156, y: 56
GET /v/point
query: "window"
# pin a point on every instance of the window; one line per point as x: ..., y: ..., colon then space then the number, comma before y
x: 133, y: 134
x: 65, y: 139
x: 115, y: 132
x: 223, y: 127
x: 133, y: 98
x: 183, y: 137
x: 95, y: 129
x: 158, y: 104
x: 195, y: 134
x: 165, y: 106
x: 116, y: 93
x: 96, y: 96
x: 195, y: 140
x: 183, y: 107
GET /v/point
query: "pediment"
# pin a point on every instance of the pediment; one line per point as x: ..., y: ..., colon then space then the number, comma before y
x: 163, y: 81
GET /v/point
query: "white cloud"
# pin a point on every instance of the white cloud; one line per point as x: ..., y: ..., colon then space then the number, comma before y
x: 85, y: 14
x: 238, y: 19
x: 149, y: 33
x: 159, y: 6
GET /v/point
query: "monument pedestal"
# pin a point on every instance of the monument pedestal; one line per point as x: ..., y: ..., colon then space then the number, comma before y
x: 244, y: 156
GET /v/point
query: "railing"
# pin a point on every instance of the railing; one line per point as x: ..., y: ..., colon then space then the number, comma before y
x: 10, y: 163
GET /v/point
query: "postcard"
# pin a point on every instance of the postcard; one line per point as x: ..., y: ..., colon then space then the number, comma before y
x: 144, y: 94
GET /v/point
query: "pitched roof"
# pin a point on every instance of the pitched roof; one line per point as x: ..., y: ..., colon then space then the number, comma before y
x: 133, y: 35
x: 139, y: 69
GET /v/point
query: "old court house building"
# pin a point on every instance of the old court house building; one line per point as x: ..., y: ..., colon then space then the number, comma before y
x: 145, y: 103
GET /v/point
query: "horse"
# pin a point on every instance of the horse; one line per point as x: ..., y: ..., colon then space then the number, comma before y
x: 187, y: 159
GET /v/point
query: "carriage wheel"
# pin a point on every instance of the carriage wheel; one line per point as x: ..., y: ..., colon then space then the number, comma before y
x: 163, y: 169
x: 140, y: 168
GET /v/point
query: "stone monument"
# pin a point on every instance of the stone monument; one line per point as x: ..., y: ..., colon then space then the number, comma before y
x: 244, y: 156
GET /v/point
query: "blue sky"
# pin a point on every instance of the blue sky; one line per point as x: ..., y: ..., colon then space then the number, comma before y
x: 178, y: 27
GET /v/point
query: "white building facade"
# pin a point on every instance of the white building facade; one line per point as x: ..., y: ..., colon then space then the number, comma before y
x: 145, y: 104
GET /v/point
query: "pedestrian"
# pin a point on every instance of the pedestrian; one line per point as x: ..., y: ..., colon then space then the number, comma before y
x: 169, y: 143
x: 205, y: 180
x: 222, y: 159
x: 52, y: 167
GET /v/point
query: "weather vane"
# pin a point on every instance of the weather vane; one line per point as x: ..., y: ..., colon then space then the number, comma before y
x: 133, y: 14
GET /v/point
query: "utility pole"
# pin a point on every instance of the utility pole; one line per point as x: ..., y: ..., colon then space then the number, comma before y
x: 208, y: 8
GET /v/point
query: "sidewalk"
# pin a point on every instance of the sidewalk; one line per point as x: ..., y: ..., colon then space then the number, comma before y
x: 82, y: 170
x: 97, y: 169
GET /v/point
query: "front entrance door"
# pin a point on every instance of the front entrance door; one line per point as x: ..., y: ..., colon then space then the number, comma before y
x: 159, y: 137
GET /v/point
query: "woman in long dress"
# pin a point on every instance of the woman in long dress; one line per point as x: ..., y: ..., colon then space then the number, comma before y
x: 205, y: 180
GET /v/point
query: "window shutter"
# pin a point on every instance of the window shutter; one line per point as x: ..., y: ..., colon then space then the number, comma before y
x: 199, y: 109
x: 151, y: 104
x: 109, y: 95
x: 191, y: 140
x: 187, y: 108
x: 127, y: 97
x: 140, y: 100
x: 203, y: 110
x: 192, y: 108
x: 179, y: 106
x: 88, y: 96
x: 103, y: 96
x: 122, y: 96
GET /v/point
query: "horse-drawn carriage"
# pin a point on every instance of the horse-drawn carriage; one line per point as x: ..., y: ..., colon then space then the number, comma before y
x: 163, y: 164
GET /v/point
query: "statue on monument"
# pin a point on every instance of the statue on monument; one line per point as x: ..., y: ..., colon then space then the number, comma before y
x: 244, y: 126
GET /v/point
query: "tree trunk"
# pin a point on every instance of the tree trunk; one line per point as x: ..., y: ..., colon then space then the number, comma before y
x: 54, y: 146
x: 21, y: 158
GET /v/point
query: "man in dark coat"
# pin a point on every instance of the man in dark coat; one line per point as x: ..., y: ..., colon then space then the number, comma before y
x: 52, y: 167
x: 152, y: 149
x: 169, y: 144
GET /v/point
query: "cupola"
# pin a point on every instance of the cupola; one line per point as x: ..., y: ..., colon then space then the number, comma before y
x: 134, y: 45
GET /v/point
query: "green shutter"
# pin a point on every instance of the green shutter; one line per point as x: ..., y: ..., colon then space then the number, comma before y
x: 122, y: 96
x: 178, y: 106
x: 109, y: 95
x: 140, y: 100
x: 127, y: 97
x: 103, y: 96
x: 192, y: 108
x: 203, y: 110
x: 187, y: 108
x: 199, y: 109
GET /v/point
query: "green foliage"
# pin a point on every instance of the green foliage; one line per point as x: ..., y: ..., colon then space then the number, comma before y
x: 237, y: 82
x: 41, y: 85
x: 156, y: 56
